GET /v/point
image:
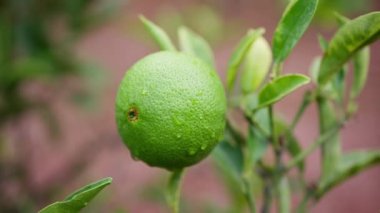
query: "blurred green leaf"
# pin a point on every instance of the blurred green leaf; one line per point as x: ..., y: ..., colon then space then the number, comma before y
x: 342, y: 20
x: 257, y: 144
x: 349, y: 39
x: 314, y: 68
x: 79, y: 199
x: 158, y: 35
x: 294, y: 22
x: 331, y: 150
x: 361, y: 63
x: 230, y: 158
x: 350, y: 165
x: 361, y: 68
x: 256, y: 65
x: 281, y: 87
x: 323, y: 43
x: 239, y: 53
x: 194, y: 44
x: 284, y: 195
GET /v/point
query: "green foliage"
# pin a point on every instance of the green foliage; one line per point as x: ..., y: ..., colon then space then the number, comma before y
x: 194, y: 44
x: 239, y: 54
x: 79, y: 199
x: 280, y: 87
x: 159, y: 35
x: 294, y: 22
x: 242, y: 158
x: 350, y: 164
x: 349, y: 39
x: 361, y: 68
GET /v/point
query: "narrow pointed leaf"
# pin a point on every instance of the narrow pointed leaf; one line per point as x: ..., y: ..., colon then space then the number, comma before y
x: 323, y: 43
x: 229, y: 159
x: 194, y: 44
x: 330, y: 150
x: 342, y: 20
x: 79, y: 199
x: 158, y: 34
x: 361, y: 68
x: 280, y: 87
x: 293, y: 24
x: 349, y: 39
x: 350, y: 165
x: 239, y: 53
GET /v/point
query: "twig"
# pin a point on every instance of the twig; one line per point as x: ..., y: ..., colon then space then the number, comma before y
x: 321, y: 140
x: 174, y: 188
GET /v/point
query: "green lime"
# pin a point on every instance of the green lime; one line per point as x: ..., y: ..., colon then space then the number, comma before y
x: 170, y: 110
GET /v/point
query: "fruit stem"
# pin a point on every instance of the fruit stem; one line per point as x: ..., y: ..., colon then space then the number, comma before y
x: 174, y: 189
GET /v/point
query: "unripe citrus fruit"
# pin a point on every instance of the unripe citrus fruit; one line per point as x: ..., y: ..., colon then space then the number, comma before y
x: 170, y: 110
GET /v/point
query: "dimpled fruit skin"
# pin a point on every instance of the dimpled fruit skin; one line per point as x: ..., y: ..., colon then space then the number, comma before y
x: 180, y: 105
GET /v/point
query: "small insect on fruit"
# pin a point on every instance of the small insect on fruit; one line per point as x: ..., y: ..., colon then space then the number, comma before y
x: 170, y: 110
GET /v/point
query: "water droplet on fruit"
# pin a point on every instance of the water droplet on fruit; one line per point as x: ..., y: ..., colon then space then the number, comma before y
x: 203, y: 147
x: 179, y: 135
x: 192, y: 152
x: 213, y: 135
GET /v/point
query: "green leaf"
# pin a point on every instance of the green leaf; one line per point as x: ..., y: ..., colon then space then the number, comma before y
x: 257, y: 144
x: 158, y: 34
x: 331, y: 150
x: 194, y: 44
x: 256, y: 65
x: 314, y: 68
x: 229, y: 157
x: 79, y: 199
x: 361, y: 68
x: 239, y: 53
x: 338, y: 84
x: 323, y: 43
x: 293, y: 24
x: 350, y: 165
x: 280, y: 87
x: 342, y: 20
x: 349, y: 39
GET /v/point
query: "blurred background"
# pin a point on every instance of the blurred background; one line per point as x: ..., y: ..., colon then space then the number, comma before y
x: 61, y: 63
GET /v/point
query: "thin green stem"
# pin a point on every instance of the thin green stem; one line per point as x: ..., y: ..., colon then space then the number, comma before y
x: 307, y: 99
x: 248, y: 194
x: 247, y: 179
x: 174, y: 189
x: 254, y: 123
x: 267, y: 197
x: 302, y: 206
x: 306, y: 152
x: 276, y: 143
x: 276, y: 70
